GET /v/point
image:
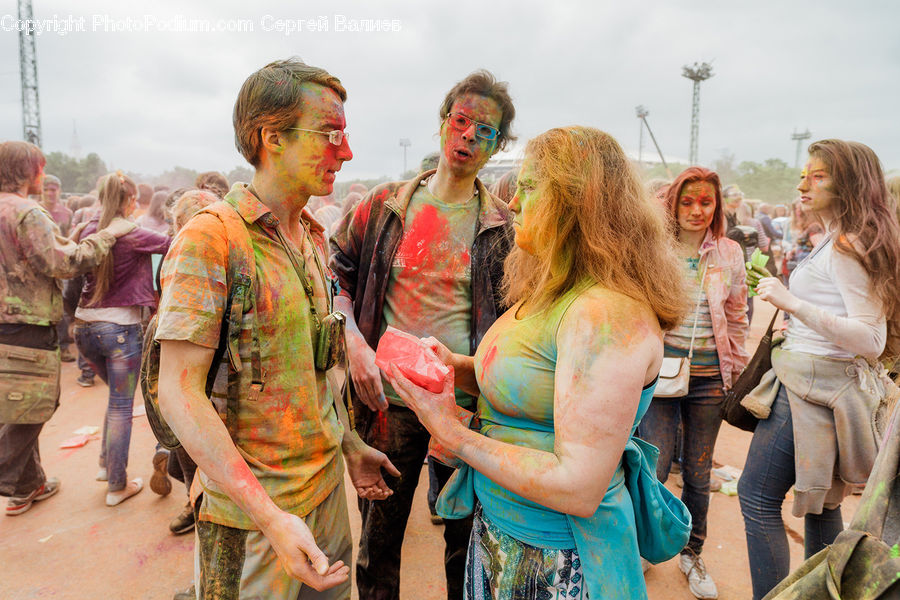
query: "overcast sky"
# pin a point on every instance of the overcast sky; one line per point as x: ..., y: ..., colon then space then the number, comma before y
x: 146, y: 101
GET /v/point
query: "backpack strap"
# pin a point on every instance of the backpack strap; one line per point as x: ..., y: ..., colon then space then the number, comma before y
x: 240, y: 279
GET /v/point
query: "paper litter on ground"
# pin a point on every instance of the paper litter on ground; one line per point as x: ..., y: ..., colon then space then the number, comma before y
x: 87, y: 430
x: 76, y: 441
x: 727, y: 472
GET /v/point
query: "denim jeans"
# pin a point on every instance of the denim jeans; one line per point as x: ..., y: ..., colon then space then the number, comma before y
x: 434, y: 485
x: 85, y: 367
x: 767, y: 477
x: 114, y: 353
x: 700, y: 420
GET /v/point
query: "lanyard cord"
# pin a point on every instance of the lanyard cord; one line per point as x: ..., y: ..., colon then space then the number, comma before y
x: 300, y: 269
x: 304, y: 277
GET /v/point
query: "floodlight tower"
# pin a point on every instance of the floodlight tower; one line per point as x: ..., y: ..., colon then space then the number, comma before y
x: 405, y: 143
x: 31, y: 111
x: 799, y: 137
x: 641, y: 115
x: 696, y: 73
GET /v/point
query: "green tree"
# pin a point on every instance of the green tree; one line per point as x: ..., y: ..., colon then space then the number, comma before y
x: 174, y: 178
x: 92, y: 167
x: 78, y: 176
x: 724, y: 167
x: 772, y: 181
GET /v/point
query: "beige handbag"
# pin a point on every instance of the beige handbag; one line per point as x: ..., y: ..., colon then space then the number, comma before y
x: 675, y: 372
x: 29, y: 384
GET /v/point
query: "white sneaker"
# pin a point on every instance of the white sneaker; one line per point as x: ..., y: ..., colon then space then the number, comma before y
x: 699, y: 581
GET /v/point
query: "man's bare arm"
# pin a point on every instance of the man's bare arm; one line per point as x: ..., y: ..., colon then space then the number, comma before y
x: 183, y: 367
x: 365, y: 375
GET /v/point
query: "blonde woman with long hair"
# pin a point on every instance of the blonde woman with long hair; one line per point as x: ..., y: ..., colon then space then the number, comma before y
x: 563, y: 377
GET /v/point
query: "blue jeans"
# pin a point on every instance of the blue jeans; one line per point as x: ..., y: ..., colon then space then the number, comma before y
x: 767, y: 477
x: 85, y: 367
x: 700, y: 419
x: 114, y: 353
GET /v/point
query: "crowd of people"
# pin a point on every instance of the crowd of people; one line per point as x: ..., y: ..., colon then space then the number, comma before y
x: 553, y: 298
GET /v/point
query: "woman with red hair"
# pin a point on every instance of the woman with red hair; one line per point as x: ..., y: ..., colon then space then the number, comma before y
x: 712, y: 337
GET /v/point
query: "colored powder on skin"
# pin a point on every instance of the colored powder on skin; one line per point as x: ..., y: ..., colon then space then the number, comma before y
x: 895, y: 551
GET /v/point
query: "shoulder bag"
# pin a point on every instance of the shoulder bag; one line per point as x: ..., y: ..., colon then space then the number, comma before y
x: 675, y: 372
x: 732, y: 410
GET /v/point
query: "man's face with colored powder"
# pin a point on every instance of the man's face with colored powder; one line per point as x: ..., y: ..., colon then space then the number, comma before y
x: 464, y: 145
x: 309, y: 159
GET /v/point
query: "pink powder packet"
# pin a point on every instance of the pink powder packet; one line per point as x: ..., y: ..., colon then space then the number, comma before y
x: 412, y: 357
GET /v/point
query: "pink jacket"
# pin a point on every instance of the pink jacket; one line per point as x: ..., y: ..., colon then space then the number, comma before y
x: 726, y: 290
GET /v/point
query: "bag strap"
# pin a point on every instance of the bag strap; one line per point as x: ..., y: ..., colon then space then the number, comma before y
x: 697, y: 307
x: 310, y: 294
x: 771, y: 326
x: 240, y: 277
x: 304, y: 276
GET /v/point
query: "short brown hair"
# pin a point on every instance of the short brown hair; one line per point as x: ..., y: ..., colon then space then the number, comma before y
x: 213, y: 181
x: 271, y: 97
x: 483, y: 83
x: 20, y: 163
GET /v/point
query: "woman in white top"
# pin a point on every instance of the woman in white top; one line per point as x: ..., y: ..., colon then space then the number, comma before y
x: 843, y: 304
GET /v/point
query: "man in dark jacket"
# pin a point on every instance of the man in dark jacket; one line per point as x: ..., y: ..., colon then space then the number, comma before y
x: 426, y: 257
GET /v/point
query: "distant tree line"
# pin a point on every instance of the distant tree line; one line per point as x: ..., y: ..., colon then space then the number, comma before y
x: 76, y: 175
x: 772, y: 181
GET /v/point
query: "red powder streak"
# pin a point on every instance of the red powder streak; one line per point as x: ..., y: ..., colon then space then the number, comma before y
x: 488, y: 360
x: 427, y: 228
x: 380, y: 429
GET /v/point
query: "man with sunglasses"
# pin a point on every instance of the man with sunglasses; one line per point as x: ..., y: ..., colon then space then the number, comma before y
x: 269, y: 500
x: 424, y: 256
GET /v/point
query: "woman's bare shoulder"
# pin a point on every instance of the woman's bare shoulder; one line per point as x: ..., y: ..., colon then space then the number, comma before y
x: 621, y: 317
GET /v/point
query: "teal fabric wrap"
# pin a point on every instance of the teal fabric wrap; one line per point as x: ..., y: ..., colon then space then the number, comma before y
x: 638, y: 515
